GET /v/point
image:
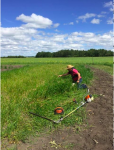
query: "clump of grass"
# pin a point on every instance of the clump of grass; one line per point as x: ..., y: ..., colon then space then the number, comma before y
x: 5, y: 67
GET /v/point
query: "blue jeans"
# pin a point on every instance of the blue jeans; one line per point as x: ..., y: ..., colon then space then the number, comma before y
x: 81, y: 86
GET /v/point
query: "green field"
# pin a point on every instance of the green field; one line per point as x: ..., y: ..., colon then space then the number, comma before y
x: 36, y: 87
x: 83, y: 60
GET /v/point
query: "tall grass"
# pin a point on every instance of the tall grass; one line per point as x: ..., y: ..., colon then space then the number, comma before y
x: 38, y: 89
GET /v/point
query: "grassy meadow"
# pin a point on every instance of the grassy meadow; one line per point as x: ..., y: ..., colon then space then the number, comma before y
x: 36, y: 87
x: 82, y: 60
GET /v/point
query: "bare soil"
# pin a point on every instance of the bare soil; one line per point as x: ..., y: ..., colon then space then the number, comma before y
x: 99, y: 133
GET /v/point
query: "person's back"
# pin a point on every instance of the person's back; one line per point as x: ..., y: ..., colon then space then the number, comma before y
x: 74, y: 73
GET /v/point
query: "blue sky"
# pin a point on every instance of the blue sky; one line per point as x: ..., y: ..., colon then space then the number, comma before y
x: 31, y: 26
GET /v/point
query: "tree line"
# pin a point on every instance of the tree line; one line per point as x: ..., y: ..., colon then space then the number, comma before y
x: 76, y: 53
x: 70, y: 53
x: 14, y: 57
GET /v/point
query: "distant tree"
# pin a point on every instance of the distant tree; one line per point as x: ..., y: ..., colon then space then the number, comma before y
x: 43, y: 54
x: 15, y: 56
x: 102, y: 52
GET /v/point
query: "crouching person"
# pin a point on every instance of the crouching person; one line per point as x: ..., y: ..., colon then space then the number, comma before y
x: 76, y: 77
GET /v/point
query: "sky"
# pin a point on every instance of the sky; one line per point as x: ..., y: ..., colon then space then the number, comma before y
x: 32, y: 26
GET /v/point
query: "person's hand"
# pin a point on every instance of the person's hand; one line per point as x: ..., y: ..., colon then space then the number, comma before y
x: 60, y: 76
x: 77, y: 81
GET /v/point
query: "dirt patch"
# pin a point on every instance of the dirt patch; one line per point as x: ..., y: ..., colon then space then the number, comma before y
x: 10, y: 67
x: 98, y: 135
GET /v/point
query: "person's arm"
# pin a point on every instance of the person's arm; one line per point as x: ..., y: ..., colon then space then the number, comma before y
x: 64, y: 74
x: 78, y: 77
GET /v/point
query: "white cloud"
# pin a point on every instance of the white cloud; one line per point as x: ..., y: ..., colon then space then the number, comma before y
x: 111, y: 9
x: 28, y: 42
x: 99, y: 16
x: 90, y: 40
x: 110, y: 21
x: 71, y: 23
x: 95, y: 21
x: 86, y: 16
x: 89, y: 35
x: 58, y: 38
x: 103, y: 12
x: 80, y: 34
x: 16, y: 31
x: 77, y: 21
x: 75, y: 33
x: 56, y: 30
x: 56, y: 25
x: 35, y: 21
x: 109, y: 5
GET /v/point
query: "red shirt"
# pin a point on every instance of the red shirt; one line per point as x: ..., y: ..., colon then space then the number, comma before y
x: 74, y: 74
